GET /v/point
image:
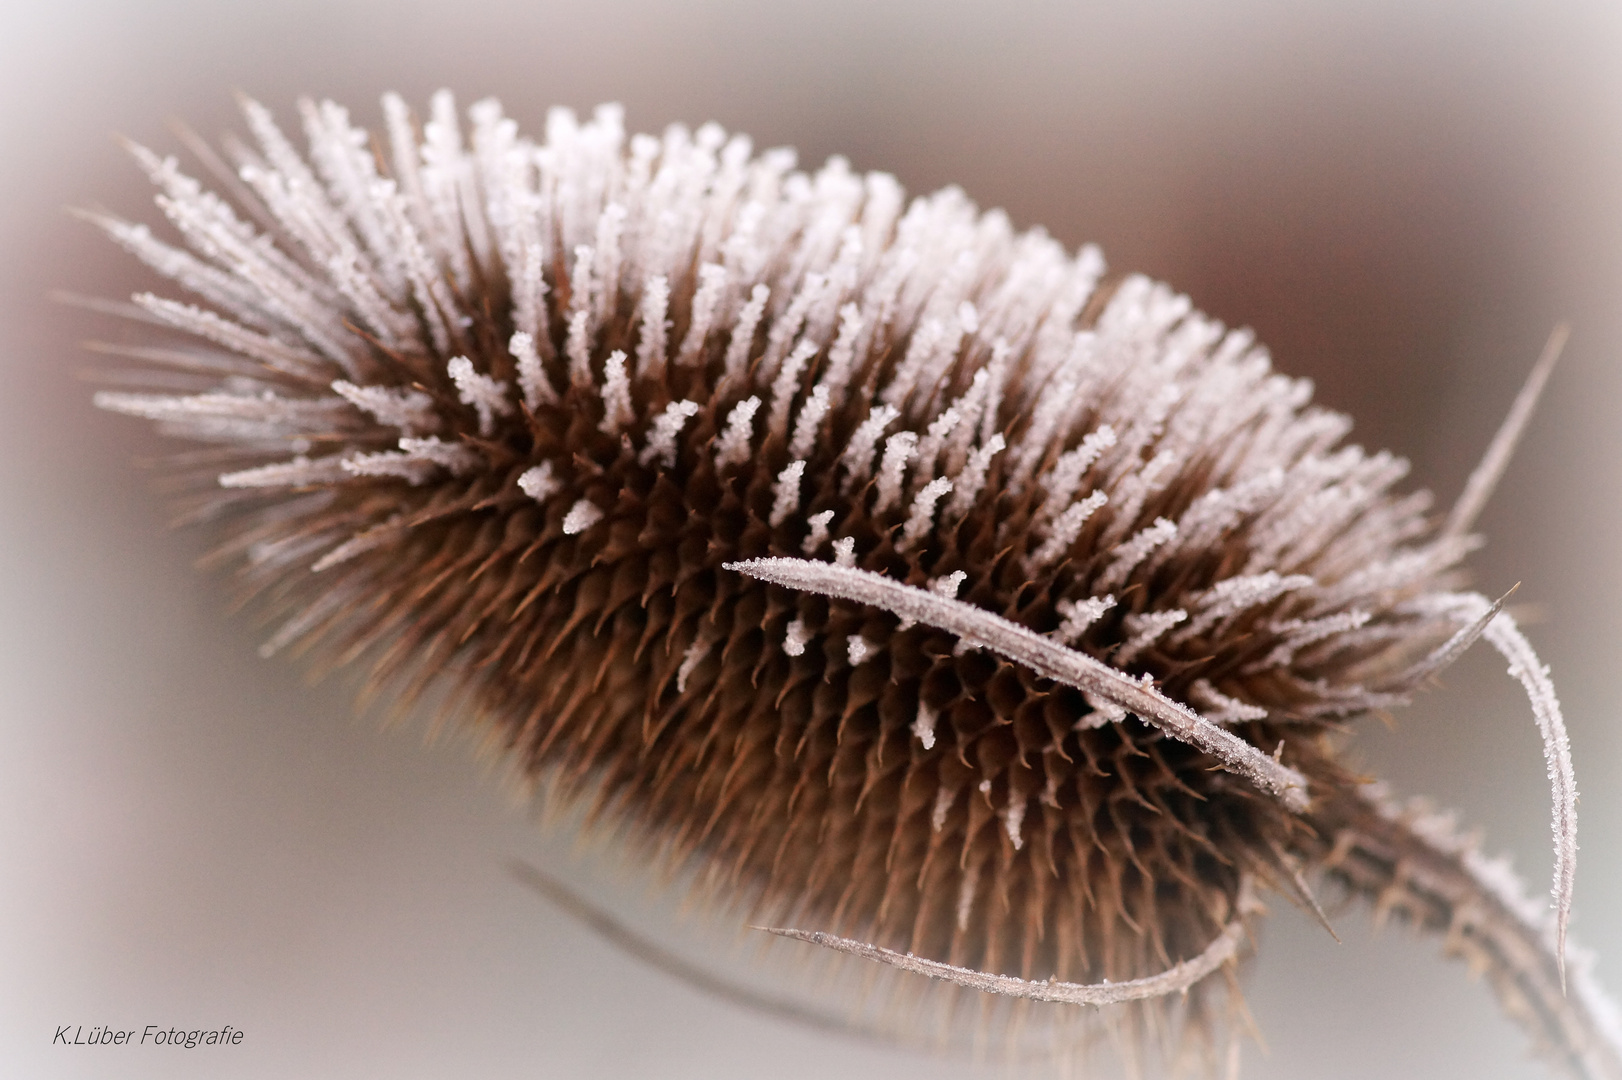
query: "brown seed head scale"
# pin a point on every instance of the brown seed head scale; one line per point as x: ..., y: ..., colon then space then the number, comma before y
x: 899, y: 575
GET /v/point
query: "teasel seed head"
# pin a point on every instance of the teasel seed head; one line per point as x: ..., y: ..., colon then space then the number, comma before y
x: 900, y: 574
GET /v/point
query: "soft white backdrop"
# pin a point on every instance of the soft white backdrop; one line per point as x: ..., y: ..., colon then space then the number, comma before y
x: 1401, y: 198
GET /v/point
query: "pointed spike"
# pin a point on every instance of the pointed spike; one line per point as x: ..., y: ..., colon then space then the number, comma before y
x: 1479, y: 487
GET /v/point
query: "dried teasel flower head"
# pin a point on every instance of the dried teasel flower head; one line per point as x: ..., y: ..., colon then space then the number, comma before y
x: 902, y: 574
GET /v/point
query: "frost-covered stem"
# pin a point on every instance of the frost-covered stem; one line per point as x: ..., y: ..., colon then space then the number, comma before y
x: 1408, y: 862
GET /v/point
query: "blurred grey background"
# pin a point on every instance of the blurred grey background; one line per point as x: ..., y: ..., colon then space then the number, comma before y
x: 1401, y: 198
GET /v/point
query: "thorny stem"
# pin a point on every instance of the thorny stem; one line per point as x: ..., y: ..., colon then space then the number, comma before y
x: 1410, y: 862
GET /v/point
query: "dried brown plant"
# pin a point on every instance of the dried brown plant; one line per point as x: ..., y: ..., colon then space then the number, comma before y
x: 900, y: 575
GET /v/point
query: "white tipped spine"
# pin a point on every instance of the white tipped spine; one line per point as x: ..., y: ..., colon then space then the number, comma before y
x: 786, y: 493
x: 582, y: 515
x: 737, y: 441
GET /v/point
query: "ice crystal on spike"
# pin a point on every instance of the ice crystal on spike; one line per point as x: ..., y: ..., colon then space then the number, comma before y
x: 904, y: 575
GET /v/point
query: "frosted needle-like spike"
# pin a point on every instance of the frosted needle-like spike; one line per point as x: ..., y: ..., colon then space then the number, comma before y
x: 1478, y: 489
x: 1450, y: 650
